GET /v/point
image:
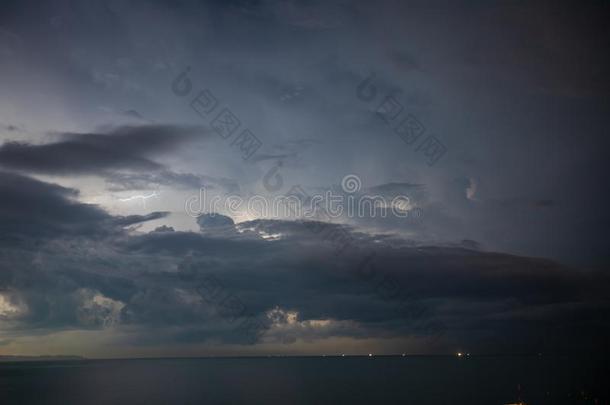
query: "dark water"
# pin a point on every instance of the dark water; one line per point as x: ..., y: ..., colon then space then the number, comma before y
x: 330, y: 380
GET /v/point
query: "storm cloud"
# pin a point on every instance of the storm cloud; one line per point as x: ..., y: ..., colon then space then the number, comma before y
x: 89, y: 272
x: 100, y: 157
x: 121, y: 148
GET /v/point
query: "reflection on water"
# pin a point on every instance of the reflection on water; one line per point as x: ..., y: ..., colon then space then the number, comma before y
x: 404, y: 379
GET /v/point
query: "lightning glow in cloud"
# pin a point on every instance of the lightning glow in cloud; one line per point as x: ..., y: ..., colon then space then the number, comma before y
x: 143, y: 198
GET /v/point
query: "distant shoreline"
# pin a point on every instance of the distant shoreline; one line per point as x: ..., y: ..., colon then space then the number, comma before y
x: 18, y: 358
x: 9, y: 358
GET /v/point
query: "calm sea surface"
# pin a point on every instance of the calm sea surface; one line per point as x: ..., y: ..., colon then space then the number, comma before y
x: 313, y: 380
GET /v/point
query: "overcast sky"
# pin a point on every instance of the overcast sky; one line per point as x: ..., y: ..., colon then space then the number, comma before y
x: 108, y: 128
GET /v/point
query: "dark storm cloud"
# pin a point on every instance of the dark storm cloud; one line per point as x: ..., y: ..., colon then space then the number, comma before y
x: 91, y: 153
x: 437, y: 278
x: 208, y: 221
x: 514, y: 89
x: 29, y: 207
x: 154, y: 280
x: 31, y: 210
x: 485, y: 85
x: 481, y: 297
x: 136, y: 219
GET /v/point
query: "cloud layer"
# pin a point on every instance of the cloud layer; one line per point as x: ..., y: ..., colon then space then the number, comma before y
x: 75, y: 266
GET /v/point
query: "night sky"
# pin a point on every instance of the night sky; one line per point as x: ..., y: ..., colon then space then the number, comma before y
x: 491, y: 118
